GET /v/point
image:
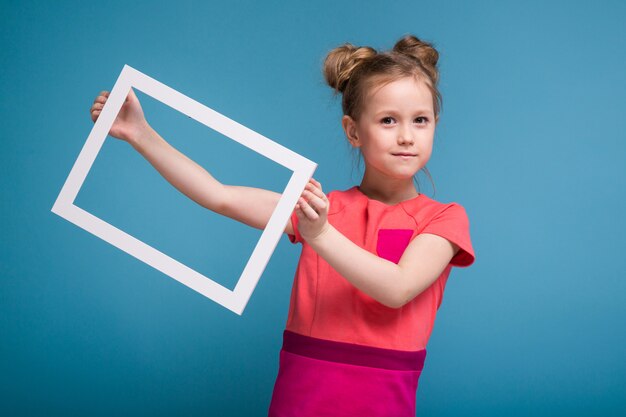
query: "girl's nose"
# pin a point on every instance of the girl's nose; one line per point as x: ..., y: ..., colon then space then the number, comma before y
x: 405, y: 136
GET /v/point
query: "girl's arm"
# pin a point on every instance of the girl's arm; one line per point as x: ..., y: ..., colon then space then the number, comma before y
x: 392, y: 285
x: 252, y: 206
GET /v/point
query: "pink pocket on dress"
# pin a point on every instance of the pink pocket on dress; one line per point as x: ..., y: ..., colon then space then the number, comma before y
x: 392, y: 243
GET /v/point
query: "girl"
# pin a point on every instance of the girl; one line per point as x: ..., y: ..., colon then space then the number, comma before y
x: 375, y: 258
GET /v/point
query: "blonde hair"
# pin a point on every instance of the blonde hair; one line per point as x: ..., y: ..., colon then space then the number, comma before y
x: 353, y: 71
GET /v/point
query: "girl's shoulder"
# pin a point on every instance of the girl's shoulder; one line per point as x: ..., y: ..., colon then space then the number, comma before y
x: 427, y: 207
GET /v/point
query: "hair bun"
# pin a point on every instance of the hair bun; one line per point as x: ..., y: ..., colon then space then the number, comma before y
x: 422, y: 51
x: 341, y: 62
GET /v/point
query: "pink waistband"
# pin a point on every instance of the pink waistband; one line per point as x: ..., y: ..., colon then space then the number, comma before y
x: 353, y: 354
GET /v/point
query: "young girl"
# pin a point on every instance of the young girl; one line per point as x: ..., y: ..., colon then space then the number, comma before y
x: 375, y: 258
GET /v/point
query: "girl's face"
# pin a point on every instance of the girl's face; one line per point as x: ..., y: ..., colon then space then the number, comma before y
x: 395, y: 130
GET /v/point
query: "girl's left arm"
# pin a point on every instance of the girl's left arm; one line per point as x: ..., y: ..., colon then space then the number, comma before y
x: 388, y: 283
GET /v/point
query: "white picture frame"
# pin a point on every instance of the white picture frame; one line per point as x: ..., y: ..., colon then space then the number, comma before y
x: 303, y: 169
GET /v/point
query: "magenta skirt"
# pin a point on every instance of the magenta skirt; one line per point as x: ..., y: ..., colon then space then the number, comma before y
x: 326, y: 378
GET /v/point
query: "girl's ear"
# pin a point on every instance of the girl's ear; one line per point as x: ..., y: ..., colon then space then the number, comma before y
x: 349, y: 126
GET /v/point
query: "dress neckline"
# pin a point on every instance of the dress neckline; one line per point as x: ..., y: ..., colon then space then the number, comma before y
x: 358, y: 191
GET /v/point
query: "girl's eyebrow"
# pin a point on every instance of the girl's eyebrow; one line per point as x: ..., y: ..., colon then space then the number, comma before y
x: 395, y: 111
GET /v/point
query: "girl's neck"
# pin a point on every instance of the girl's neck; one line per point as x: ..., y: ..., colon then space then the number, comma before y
x: 387, y: 190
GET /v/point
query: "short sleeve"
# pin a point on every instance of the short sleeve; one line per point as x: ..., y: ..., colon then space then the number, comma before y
x: 452, y: 224
x: 295, y: 237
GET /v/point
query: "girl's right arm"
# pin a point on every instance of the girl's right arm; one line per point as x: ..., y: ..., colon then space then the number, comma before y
x: 252, y: 206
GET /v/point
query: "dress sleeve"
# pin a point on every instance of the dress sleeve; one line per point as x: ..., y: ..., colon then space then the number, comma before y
x: 452, y: 224
x: 295, y: 237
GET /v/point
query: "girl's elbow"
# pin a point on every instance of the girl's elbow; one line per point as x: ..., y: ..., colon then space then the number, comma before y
x: 395, y: 301
x: 393, y: 304
x: 399, y: 298
x: 221, y: 201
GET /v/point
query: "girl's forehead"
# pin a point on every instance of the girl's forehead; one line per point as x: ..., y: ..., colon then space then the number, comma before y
x: 402, y: 92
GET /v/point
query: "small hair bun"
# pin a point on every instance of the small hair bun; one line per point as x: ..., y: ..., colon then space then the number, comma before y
x: 422, y: 51
x: 341, y: 62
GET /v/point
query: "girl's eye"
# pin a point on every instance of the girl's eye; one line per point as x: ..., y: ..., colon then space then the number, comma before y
x: 387, y: 120
x: 421, y: 120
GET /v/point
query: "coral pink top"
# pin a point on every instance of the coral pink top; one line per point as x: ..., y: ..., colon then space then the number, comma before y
x: 325, y: 305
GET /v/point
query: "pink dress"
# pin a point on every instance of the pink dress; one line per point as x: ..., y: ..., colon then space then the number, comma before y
x: 344, y: 353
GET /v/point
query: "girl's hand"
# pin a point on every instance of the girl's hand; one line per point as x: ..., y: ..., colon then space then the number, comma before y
x: 130, y: 122
x: 312, y: 211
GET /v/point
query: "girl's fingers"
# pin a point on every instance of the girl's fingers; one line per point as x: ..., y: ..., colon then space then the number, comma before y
x: 307, y: 210
x: 131, y: 95
x: 318, y: 203
x: 316, y: 188
x: 299, y: 212
x: 319, y: 194
x: 98, y: 104
x: 95, y: 111
x: 316, y: 183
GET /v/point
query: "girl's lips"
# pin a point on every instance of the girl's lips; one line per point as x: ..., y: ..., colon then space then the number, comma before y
x: 404, y: 154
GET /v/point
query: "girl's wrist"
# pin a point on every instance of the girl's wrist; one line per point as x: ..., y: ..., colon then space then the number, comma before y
x: 143, y: 136
x: 319, y: 238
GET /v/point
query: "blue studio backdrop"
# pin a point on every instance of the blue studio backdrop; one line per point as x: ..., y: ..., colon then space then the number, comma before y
x: 532, y: 141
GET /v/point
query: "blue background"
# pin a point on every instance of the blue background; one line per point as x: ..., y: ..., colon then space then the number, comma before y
x: 531, y: 141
